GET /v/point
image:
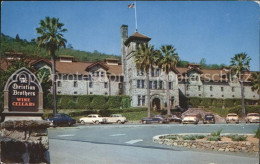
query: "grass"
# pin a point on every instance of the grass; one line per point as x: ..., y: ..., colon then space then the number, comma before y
x: 214, y: 138
x: 217, y: 134
x: 171, y: 137
x: 257, y: 132
x: 237, y: 137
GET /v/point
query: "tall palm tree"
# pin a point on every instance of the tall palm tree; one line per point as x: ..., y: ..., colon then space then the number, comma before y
x: 239, y: 64
x: 145, y: 57
x: 52, y: 39
x: 168, y: 61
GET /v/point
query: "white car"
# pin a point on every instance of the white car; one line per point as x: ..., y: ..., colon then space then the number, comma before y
x: 190, y: 119
x: 252, y: 118
x: 232, y: 117
x: 116, y: 118
x: 93, y: 119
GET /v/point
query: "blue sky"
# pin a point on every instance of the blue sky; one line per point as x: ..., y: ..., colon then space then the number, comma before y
x: 212, y: 30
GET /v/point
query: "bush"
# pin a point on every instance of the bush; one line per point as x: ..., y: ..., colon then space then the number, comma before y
x: 171, y: 137
x: 99, y: 102
x: 84, y: 101
x: 71, y: 105
x: 199, y: 136
x: 238, y: 138
x: 189, y: 137
x: 64, y: 101
x: 257, y: 132
x: 195, y: 101
x: 206, y: 102
x: 217, y: 102
x: 249, y: 109
x: 214, y: 138
x: 125, y: 103
x: 114, y: 102
x: 216, y: 133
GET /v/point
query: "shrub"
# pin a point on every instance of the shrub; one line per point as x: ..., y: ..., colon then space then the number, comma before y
x: 217, y: 102
x: 216, y: 133
x: 214, y: 138
x: 64, y: 101
x: 114, y: 102
x: 84, y: 101
x: 194, y: 101
x: 257, y: 132
x: 71, y: 105
x: 125, y: 103
x: 171, y: 137
x: 249, y: 109
x: 189, y: 137
x: 206, y: 102
x: 99, y: 102
x: 238, y: 138
x: 199, y: 136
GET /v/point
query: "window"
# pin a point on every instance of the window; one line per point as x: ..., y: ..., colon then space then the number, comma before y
x: 157, y: 72
x: 160, y: 84
x: 143, y: 100
x: 102, y: 74
x: 233, y: 95
x: 93, y: 73
x: 75, y: 84
x: 91, y: 93
x: 170, y: 85
x: 90, y: 85
x: 222, y: 88
x: 188, y: 94
x: 75, y: 99
x: 75, y: 92
x: 105, y: 93
x: 80, y: 77
x: 142, y: 83
x: 97, y: 73
x: 138, y: 83
x: 155, y: 84
x: 139, y: 100
x: 211, y: 88
x: 59, y: 92
x: 105, y: 85
x: 222, y: 95
x: 150, y: 84
x: 211, y: 95
x: 140, y: 72
x: 199, y: 87
x: 59, y: 83
x: 152, y: 72
x: 233, y: 89
x: 120, y: 85
x: 187, y: 87
x: 172, y: 100
x: 199, y: 95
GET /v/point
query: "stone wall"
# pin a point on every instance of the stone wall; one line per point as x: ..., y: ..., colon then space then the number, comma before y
x: 24, y: 141
x: 234, y: 146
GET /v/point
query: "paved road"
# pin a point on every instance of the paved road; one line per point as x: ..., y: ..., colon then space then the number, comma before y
x: 133, y: 144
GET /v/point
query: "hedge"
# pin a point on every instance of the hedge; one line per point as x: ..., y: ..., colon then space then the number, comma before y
x: 88, y: 102
x: 248, y: 108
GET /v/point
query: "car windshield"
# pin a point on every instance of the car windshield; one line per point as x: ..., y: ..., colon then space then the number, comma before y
x: 232, y: 115
x: 209, y: 116
x: 253, y: 114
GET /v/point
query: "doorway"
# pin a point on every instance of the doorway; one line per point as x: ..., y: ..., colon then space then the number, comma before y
x: 156, y: 105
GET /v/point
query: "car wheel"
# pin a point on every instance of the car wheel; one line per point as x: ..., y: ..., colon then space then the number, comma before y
x: 97, y: 122
x: 82, y: 122
x: 119, y: 122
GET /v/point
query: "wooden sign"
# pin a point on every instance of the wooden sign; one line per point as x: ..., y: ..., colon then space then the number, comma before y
x: 23, y: 94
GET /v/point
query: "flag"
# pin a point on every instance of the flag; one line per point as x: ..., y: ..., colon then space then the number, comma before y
x: 131, y: 5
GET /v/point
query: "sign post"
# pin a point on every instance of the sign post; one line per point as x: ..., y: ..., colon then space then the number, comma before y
x: 24, y: 132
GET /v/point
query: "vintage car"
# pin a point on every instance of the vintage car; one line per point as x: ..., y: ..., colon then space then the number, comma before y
x: 116, y: 118
x: 190, y: 119
x: 209, y: 119
x: 61, y: 120
x: 154, y: 119
x: 252, y: 118
x: 232, y: 117
x: 93, y: 119
x: 174, y: 118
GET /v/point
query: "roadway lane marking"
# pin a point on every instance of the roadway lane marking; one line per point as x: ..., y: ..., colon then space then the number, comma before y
x: 134, y: 141
x: 114, y: 135
x: 66, y: 135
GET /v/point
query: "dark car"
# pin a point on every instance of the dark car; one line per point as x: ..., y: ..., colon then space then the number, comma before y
x: 174, y: 118
x: 61, y: 120
x: 154, y: 119
x: 209, y: 119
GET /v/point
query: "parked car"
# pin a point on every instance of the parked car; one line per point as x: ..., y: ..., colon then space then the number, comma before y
x: 232, y: 117
x: 174, y: 118
x: 154, y: 119
x: 93, y: 119
x: 116, y: 118
x: 209, y: 119
x: 190, y: 119
x: 61, y: 119
x: 252, y: 118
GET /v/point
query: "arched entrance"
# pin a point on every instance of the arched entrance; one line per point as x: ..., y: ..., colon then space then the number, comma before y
x: 156, y: 104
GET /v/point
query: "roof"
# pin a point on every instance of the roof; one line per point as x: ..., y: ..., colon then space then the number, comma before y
x: 137, y: 36
x: 95, y: 64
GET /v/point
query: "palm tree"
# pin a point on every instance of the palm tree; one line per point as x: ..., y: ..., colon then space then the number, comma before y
x: 52, y: 39
x: 239, y: 64
x: 145, y: 57
x: 168, y: 62
x: 255, y: 80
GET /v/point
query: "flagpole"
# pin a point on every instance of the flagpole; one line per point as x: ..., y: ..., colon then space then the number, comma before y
x: 135, y: 19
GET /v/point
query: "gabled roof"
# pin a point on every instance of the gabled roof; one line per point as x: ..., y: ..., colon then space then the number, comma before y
x: 194, y: 69
x: 95, y: 64
x: 40, y: 60
x: 137, y: 36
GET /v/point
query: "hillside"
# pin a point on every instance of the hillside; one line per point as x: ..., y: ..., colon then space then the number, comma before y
x: 9, y: 44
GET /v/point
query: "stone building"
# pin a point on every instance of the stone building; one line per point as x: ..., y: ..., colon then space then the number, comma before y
x: 115, y: 77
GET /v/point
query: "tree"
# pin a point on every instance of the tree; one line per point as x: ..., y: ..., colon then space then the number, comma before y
x: 168, y: 62
x: 52, y: 39
x: 255, y: 80
x: 239, y: 64
x: 203, y: 62
x: 145, y: 57
x: 17, y: 38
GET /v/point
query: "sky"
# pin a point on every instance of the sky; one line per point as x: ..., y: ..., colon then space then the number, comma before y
x: 214, y: 30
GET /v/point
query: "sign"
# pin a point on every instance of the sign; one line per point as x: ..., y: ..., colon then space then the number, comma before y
x: 23, y: 93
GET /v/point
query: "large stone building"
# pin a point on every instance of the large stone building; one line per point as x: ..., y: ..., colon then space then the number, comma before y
x: 115, y: 77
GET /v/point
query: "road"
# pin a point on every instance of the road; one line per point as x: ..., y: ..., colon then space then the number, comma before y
x: 133, y: 143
